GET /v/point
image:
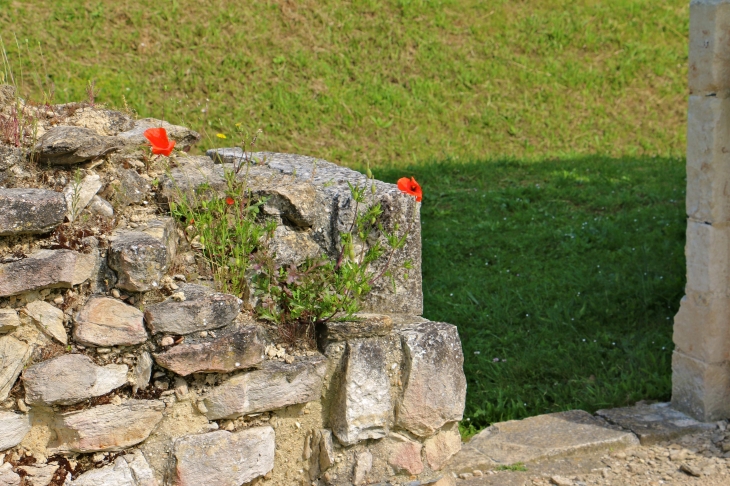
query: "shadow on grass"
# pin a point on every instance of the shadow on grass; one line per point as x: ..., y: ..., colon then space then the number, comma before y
x: 562, y: 276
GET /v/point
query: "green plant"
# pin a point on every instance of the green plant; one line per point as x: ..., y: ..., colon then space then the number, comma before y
x: 321, y: 289
x: 518, y: 466
x: 224, y: 229
x: 75, y: 194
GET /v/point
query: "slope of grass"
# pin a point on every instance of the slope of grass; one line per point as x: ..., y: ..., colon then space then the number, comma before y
x: 562, y: 276
x: 389, y: 83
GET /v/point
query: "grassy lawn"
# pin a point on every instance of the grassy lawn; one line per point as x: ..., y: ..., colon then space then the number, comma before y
x: 563, y: 277
x: 562, y: 268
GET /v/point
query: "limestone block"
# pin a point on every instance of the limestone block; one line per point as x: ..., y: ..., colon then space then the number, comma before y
x: 404, y: 455
x: 14, y: 428
x: 362, y: 407
x: 30, y: 211
x: 701, y: 327
x: 223, y: 458
x: 46, y: 269
x: 709, y: 47
x: 442, y: 447
x: 700, y: 390
x: 107, y: 427
x: 104, y: 321
x: 9, y: 320
x: 708, y: 159
x: 141, y: 258
x: 14, y: 355
x: 141, y: 372
x: 708, y: 258
x: 434, y: 389
x: 70, y: 379
x: 202, y: 310
x: 7, y: 476
x: 79, y: 195
x: 275, y: 385
x: 117, y: 474
x: 236, y: 349
x: 364, y: 325
x: 49, y: 318
x: 66, y: 145
x: 102, y: 122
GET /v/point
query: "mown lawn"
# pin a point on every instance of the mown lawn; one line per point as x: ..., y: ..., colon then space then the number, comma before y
x: 548, y: 136
x: 563, y: 277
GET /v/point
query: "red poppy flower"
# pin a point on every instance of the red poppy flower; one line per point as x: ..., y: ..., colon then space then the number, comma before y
x: 161, y: 145
x: 410, y: 186
x: 229, y: 200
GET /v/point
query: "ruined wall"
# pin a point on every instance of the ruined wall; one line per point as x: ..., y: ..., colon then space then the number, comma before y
x: 701, y: 360
x: 122, y: 365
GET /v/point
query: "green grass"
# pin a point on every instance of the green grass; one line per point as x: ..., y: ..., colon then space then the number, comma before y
x: 568, y: 271
x: 567, y: 264
x: 385, y: 82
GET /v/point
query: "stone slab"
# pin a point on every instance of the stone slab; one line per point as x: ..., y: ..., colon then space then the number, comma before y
x: 30, y: 211
x: 49, y: 318
x: 104, y: 321
x: 202, y: 310
x: 364, y: 325
x: 654, y: 423
x: 223, y: 458
x: 66, y: 145
x: 14, y: 427
x: 544, y: 436
x: 45, y: 269
x: 274, y: 386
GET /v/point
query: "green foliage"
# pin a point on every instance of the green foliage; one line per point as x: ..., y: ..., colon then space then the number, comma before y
x: 568, y: 272
x: 518, y: 466
x: 225, y: 229
x: 391, y: 82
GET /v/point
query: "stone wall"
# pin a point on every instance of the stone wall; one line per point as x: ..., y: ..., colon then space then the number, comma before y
x: 122, y: 364
x: 701, y: 360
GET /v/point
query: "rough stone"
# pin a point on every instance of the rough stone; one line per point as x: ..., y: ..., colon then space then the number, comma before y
x: 363, y: 326
x: 223, y: 458
x: 544, y: 436
x: 101, y: 207
x: 293, y: 246
x: 30, y: 211
x: 700, y: 390
x: 49, y: 318
x: 312, y: 195
x: 405, y: 455
x: 70, y: 379
x: 190, y: 174
x: 275, y: 386
x: 236, y: 349
x: 79, y: 194
x: 14, y: 428
x: 9, y: 320
x: 103, y: 122
x: 141, y: 470
x: 39, y: 475
x: 141, y: 258
x: 709, y: 36
x: 132, y: 188
x: 434, y: 386
x: 107, y: 427
x: 362, y: 406
x: 182, y: 135
x: 440, y: 448
x: 104, y: 321
x: 202, y: 310
x: 117, y: 474
x: 46, y: 269
x: 14, y: 355
x: 326, y: 449
x: 363, y: 465
x: 7, y: 476
x: 142, y: 372
x: 654, y: 423
x: 66, y: 145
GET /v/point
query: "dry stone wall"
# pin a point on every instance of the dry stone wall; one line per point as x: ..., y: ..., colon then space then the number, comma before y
x: 121, y: 364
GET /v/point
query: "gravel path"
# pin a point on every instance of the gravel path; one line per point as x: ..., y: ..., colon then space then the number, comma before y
x: 701, y: 459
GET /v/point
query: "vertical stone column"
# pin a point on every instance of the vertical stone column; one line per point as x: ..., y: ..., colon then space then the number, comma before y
x: 701, y: 360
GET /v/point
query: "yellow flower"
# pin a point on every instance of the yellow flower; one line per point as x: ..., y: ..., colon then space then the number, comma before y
x: 220, y: 135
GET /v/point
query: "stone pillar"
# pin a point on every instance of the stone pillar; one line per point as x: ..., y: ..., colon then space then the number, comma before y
x: 701, y: 360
